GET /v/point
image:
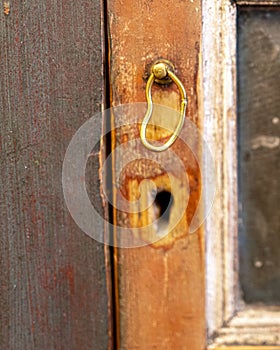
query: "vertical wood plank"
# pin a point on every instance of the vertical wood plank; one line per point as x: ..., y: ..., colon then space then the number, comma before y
x: 54, y: 291
x: 160, y: 296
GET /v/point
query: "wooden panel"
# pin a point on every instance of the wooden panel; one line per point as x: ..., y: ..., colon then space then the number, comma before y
x: 160, y: 296
x: 53, y: 277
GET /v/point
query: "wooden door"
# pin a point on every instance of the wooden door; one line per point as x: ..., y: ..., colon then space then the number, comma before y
x: 56, y: 281
x: 54, y: 284
x: 153, y: 285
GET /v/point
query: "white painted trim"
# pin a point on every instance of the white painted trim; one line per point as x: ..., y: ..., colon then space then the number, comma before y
x: 230, y: 321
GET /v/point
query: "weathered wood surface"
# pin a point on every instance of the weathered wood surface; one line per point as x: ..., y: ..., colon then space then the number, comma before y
x: 53, y: 292
x: 160, y: 287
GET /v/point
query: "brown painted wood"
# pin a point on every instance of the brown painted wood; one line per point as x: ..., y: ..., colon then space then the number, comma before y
x: 160, y: 295
x: 54, y: 291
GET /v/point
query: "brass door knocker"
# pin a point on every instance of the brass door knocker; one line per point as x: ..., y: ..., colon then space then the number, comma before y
x: 161, y: 73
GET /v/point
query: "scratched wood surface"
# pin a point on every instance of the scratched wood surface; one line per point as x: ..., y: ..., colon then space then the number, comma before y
x: 160, y: 287
x: 54, y: 292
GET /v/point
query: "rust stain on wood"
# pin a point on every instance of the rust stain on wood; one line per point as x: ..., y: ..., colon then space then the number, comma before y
x: 160, y: 287
x: 7, y: 8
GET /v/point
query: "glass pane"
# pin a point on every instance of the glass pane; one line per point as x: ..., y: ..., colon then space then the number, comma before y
x: 253, y: 2
x: 259, y: 153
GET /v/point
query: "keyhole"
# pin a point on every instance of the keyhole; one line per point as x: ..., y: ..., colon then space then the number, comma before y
x: 162, y: 207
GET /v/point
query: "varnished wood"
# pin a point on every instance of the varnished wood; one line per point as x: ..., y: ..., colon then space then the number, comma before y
x: 160, y: 295
x: 54, y: 291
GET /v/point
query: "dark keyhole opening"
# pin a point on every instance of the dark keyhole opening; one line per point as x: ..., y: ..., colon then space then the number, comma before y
x: 163, y: 202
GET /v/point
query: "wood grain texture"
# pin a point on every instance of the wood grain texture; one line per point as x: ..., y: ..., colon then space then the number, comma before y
x: 160, y: 296
x: 219, y: 60
x: 54, y: 292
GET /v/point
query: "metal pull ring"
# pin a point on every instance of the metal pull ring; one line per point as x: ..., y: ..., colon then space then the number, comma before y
x: 162, y: 74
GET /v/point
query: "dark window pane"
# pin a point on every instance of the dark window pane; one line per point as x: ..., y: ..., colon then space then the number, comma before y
x: 254, y: 2
x: 259, y: 153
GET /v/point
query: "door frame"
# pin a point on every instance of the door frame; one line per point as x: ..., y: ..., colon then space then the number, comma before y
x: 230, y: 321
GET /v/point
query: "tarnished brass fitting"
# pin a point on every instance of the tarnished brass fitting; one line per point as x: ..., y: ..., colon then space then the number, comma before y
x: 159, y: 70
